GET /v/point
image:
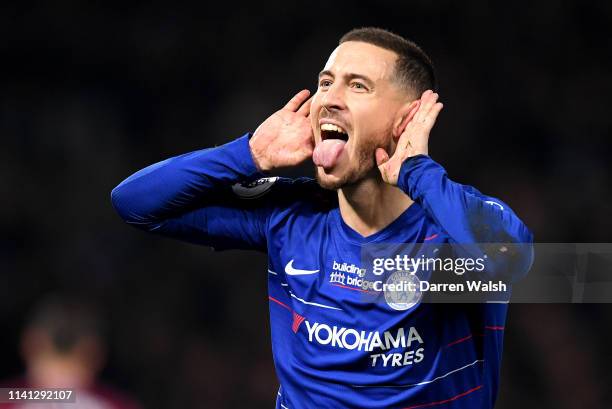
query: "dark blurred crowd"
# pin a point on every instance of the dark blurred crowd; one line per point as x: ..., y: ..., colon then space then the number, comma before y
x: 90, y: 93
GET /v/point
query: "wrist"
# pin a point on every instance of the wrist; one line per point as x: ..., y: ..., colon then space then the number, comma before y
x: 258, y: 157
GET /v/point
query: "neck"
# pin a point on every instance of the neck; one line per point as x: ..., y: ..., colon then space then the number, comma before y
x: 371, y: 204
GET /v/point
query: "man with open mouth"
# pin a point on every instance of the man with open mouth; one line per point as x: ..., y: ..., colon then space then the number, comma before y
x: 366, y: 130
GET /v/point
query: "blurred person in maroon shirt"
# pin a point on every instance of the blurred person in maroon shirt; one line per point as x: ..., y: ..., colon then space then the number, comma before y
x: 63, y: 346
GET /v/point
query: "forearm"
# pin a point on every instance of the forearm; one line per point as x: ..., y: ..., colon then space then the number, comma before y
x: 175, y: 186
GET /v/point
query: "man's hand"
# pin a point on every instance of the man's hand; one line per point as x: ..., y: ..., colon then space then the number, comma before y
x: 413, y: 141
x: 285, y: 138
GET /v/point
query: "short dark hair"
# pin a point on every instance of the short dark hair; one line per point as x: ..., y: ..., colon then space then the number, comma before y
x: 66, y: 320
x: 413, y: 68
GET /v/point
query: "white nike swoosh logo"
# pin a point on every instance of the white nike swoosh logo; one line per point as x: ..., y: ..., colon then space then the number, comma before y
x: 297, y: 272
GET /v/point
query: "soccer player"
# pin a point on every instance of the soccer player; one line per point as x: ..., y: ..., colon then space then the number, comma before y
x: 366, y: 129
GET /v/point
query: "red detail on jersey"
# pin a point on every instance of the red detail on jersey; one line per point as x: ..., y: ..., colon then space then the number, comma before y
x: 440, y: 402
x: 433, y: 236
x: 353, y: 288
x: 297, y: 321
x: 279, y: 303
x: 297, y: 318
x: 460, y: 340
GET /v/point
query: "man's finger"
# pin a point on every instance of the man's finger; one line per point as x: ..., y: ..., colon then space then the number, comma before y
x: 433, y: 114
x: 428, y: 99
x: 305, y: 108
x: 297, y: 100
x: 381, y: 156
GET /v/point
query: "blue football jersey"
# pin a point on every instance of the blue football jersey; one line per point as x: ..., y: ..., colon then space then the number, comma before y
x: 333, y: 345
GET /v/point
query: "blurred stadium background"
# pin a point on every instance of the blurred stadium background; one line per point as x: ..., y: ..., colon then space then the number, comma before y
x: 90, y: 93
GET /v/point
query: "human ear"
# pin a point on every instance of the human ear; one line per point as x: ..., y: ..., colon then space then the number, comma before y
x: 405, y: 115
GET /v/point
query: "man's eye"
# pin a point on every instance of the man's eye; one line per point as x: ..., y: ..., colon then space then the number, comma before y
x: 358, y: 85
x: 324, y: 83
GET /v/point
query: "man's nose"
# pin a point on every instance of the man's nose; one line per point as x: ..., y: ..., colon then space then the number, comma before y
x: 333, y: 98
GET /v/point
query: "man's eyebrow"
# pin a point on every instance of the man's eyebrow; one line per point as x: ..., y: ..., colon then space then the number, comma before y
x: 352, y: 76
x: 349, y: 76
x: 326, y: 72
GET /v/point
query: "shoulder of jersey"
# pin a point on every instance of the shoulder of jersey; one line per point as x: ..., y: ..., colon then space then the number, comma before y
x: 491, y: 201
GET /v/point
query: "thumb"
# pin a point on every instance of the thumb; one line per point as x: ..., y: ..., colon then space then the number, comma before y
x: 381, y: 156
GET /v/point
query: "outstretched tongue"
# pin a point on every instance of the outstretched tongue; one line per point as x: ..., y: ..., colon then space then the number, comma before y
x: 327, y: 152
